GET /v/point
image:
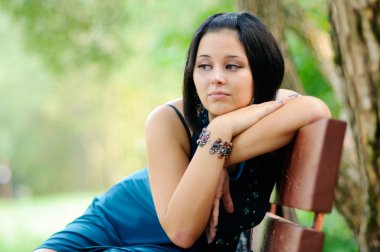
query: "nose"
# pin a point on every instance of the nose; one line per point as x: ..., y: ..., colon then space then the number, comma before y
x: 218, y: 78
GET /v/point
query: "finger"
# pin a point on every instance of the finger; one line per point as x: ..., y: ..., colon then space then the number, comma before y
x: 210, y: 231
x: 219, y: 190
x: 226, y: 197
x: 214, y: 219
x: 228, y: 203
x: 268, y: 108
x: 288, y: 98
x: 213, y: 234
x: 209, y: 235
x: 275, y: 105
x: 215, y: 212
x: 213, y: 231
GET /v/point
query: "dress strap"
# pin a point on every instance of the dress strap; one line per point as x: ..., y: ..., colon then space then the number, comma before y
x: 183, y: 121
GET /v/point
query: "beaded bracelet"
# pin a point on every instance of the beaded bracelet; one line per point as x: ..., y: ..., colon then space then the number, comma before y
x: 222, y: 149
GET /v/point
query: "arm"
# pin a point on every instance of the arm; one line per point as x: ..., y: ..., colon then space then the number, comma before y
x: 278, y: 128
x: 281, y: 136
x: 183, y: 192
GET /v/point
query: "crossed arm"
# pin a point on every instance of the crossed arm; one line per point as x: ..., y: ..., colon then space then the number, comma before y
x: 184, y: 191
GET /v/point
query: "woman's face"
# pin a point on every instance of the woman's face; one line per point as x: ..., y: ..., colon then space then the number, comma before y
x: 222, y: 74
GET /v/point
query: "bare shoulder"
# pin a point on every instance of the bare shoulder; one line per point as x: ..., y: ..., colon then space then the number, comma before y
x: 164, y: 115
x: 163, y: 122
x: 177, y: 103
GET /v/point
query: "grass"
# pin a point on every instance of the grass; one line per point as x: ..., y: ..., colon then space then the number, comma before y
x: 25, y: 223
x: 338, y: 237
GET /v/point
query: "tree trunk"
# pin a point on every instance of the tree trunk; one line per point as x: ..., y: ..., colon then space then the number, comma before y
x: 356, y: 37
x: 355, y: 78
x: 272, y: 16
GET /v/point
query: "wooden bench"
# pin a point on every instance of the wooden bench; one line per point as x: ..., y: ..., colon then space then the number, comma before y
x: 307, y: 182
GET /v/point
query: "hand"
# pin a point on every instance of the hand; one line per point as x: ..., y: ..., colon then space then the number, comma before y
x: 223, y: 191
x: 241, y: 119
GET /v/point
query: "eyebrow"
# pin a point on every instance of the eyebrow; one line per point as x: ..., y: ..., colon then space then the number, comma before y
x: 228, y: 56
x: 203, y: 56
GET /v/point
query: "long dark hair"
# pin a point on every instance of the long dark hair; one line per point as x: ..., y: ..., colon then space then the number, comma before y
x: 263, y: 53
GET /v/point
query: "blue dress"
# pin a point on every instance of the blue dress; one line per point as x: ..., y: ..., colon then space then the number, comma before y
x: 124, y: 218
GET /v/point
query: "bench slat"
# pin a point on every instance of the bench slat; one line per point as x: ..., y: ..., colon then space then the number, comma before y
x: 307, y: 182
x: 277, y: 234
x: 310, y: 173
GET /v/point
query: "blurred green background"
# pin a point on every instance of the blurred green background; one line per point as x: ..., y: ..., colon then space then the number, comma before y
x: 77, y: 81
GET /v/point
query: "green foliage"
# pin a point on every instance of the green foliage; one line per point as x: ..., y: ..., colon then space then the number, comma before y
x: 309, y: 73
x: 71, y: 34
x: 338, y: 237
x: 78, y: 80
x: 25, y: 223
x: 306, y: 63
x: 316, y: 12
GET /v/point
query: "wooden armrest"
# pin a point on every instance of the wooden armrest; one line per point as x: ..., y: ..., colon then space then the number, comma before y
x: 278, y: 234
x: 310, y: 171
x: 307, y: 181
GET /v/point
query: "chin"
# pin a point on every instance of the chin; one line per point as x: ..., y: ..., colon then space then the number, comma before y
x: 222, y: 108
x: 220, y: 111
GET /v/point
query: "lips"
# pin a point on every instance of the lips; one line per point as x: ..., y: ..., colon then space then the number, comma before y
x: 218, y: 94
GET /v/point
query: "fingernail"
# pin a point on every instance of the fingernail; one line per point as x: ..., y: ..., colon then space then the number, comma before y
x: 280, y: 101
x: 292, y: 96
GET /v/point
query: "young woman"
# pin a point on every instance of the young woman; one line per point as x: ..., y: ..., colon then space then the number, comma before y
x: 215, y: 144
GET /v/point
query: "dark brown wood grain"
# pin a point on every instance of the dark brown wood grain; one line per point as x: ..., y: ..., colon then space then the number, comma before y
x: 307, y: 181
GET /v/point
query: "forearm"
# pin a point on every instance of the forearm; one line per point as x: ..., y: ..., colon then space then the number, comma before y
x: 277, y: 129
x: 190, y: 205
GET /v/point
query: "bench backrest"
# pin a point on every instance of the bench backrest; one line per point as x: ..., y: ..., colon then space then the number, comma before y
x: 307, y: 182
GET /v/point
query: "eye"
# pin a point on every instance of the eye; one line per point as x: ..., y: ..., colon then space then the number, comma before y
x: 232, y: 66
x: 204, y: 66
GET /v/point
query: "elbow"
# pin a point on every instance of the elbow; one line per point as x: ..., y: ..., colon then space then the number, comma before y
x: 317, y: 110
x: 182, y: 232
x: 183, y: 239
